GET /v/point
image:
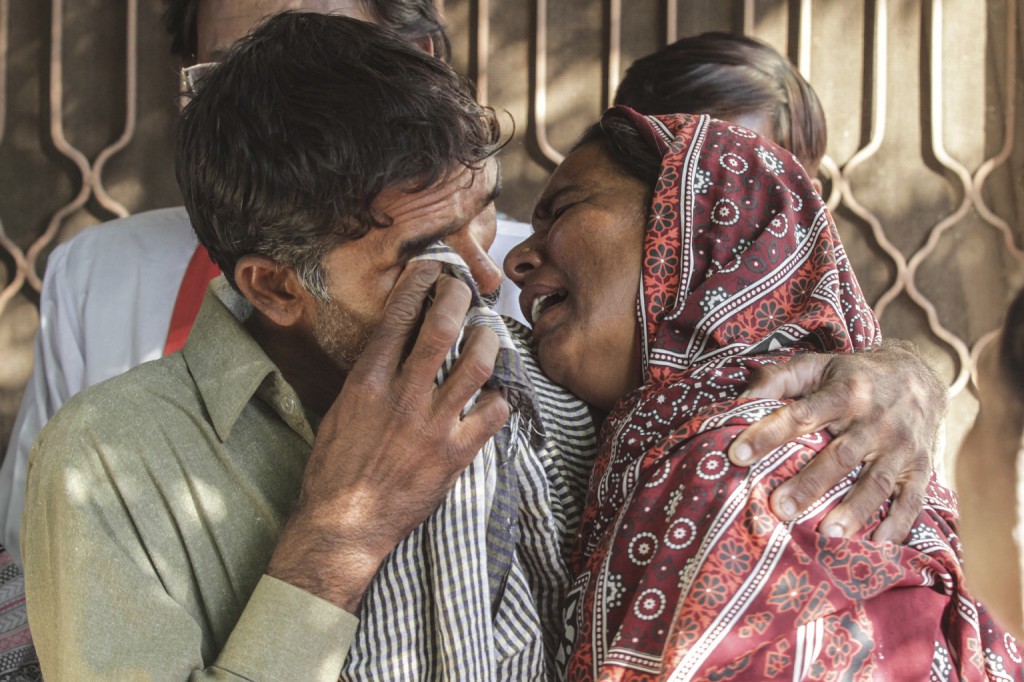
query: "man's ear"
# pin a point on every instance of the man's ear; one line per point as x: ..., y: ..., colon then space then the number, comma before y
x: 818, y: 185
x: 274, y: 289
x: 426, y: 43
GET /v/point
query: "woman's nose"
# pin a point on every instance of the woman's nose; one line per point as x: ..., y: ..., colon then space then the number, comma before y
x: 522, y: 260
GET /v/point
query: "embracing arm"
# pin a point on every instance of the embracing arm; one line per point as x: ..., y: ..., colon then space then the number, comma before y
x: 884, y: 408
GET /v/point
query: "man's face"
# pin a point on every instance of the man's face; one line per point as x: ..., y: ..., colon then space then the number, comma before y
x: 361, y: 274
x: 220, y: 23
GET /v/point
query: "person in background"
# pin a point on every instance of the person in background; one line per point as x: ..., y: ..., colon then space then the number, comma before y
x: 735, y: 78
x: 988, y: 476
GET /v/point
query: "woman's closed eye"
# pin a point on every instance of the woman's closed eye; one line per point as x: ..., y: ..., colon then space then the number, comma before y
x: 560, y: 210
x: 554, y: 204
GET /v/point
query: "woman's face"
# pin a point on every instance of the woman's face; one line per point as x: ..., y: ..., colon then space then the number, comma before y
x: 580, y: 274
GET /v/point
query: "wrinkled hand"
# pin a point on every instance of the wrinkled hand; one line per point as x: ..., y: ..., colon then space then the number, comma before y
x: 393, y: 443
x: 884, y: 408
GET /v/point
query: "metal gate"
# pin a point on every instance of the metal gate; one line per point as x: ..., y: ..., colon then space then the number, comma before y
x: 923, y: 99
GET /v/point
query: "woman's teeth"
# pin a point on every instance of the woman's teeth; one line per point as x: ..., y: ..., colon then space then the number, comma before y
x: 544, y: 301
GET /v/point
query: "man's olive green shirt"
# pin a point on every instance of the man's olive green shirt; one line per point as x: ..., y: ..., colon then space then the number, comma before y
x: 105, y: 528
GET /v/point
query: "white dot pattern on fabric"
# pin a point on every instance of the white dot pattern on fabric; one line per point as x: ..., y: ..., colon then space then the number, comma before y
x: 701, y: 181
x: 650, y: 604
x: 725, y: 212
x: 712, y: 466
x: 770, y: 161
x: 681, y: 533
x: 642, y: 548
x: 734, y: 163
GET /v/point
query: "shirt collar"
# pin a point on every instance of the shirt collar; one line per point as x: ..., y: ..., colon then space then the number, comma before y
x: 229, y: 367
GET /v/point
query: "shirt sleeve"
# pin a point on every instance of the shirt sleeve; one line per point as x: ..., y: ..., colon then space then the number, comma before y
x: 97, y: 595
x: 285, y: 629
x: 57, y: 374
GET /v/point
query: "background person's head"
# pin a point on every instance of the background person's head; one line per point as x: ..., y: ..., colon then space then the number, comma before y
x: 202, y: 29
x: 290, y: 140
x: 734, y: 78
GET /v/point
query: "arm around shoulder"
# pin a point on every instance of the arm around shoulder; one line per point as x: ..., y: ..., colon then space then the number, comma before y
x: 884, y: 408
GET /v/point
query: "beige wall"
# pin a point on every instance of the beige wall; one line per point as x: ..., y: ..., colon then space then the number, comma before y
x: 924, y: 100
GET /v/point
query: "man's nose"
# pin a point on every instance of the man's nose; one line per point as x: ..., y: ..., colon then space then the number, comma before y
x: 472, y: 247
x: 485, y: 271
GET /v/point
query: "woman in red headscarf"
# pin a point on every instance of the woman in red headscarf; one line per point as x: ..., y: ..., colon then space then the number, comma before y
x: 683, y: 571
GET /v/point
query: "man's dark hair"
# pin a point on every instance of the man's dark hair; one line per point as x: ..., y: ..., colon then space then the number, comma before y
x: 727, y: 76
x: 288, y: 141
x: 414, y: 20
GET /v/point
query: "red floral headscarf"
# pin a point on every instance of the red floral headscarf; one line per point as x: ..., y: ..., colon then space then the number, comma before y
x: 683, y: 572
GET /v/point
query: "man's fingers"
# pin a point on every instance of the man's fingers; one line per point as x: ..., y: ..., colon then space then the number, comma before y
x: 490, y: 410
x: 791, y: 379
x: 439, y: 331
x: 487, y: 416
x: 402, y: 313
x: 884, y: 404
x: 876, y: 484
x: 796, y: 419
x: 824, y: 470
x: 904, y: 510
x: 472, y: 370
x: 882, y: 479
x: 902, y: 476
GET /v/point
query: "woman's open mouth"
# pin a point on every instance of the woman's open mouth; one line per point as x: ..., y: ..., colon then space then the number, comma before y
x: 544, y: 302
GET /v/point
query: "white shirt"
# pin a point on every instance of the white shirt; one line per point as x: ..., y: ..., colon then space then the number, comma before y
x: 106, y: 306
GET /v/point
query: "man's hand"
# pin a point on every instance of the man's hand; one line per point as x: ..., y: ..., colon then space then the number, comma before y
x: 393, y: 443
x: 884, y: 408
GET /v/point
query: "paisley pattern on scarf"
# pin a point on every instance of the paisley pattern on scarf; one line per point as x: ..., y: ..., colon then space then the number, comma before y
x: 683, y: 572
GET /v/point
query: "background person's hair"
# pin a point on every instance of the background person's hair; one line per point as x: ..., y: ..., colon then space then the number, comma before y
x: 726, y: 76
x: 180, y: 24
x: 284, y: 148
x: 414, y: 20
